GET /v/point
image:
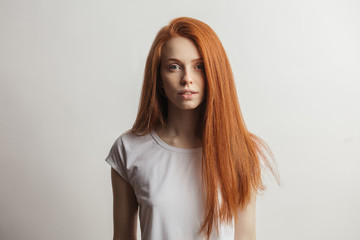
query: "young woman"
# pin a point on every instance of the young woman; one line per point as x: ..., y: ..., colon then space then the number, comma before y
x: 189, y: 167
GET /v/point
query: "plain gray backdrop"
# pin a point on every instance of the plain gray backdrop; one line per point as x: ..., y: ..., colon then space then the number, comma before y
x: 71, y: 74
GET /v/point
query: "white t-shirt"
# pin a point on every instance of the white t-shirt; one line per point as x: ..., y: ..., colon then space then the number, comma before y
x: 167, y: 184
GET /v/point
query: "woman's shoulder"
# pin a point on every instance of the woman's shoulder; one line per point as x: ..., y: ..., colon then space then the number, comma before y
x: 129, y: 138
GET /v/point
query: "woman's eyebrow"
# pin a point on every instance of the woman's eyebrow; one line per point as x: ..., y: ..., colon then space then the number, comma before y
x: 175, y: 59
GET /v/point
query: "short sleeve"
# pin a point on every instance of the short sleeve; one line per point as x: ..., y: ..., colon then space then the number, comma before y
x: 116, y: 159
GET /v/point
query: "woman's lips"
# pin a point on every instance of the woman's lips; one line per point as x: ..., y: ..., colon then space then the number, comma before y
x: 187, y: 91
x: 188, y: 95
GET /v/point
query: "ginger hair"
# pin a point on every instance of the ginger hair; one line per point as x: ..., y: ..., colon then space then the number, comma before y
x: 232, y: 157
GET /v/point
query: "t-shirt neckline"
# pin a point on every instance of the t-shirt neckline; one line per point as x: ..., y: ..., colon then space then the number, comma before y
x: 172, y: 148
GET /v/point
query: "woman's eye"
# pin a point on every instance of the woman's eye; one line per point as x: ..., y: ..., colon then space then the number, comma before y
x: 200, y: 66
x: 174, y: 67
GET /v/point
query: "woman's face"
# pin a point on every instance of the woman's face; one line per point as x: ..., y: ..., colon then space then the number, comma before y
x: 182, y: 73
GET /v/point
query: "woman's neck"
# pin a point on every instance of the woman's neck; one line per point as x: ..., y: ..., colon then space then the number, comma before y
x: 180, y: 128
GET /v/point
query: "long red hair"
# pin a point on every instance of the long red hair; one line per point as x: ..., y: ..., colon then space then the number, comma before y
x: 233, y: 158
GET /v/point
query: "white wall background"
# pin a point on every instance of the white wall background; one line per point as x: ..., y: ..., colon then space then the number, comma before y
x: 71, y: 74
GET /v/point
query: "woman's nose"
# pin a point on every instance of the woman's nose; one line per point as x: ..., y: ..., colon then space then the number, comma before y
x: 187, y: 78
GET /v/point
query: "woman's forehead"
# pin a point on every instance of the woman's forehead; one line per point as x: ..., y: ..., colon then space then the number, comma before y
x: 180, y: 48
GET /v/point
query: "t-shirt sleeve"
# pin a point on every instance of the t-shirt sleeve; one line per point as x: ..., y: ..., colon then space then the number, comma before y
x: 116, y: 159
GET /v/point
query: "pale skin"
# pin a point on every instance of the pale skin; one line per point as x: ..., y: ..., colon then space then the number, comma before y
x: 181, y: 69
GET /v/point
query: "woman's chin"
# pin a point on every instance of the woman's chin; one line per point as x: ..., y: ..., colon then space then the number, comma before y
x: 187, y: 107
